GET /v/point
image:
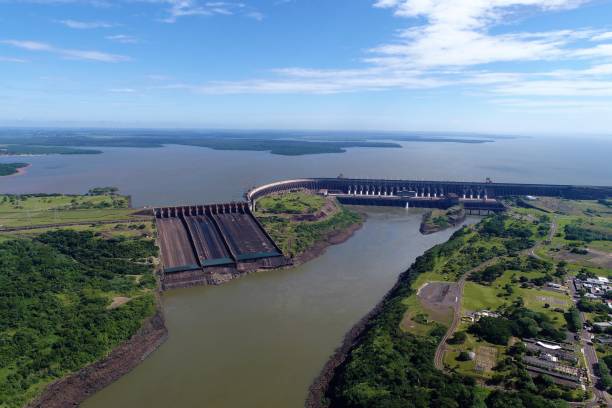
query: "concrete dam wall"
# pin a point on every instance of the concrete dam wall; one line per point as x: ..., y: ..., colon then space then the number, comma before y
x: 431, y: 189
x: 476, y: 197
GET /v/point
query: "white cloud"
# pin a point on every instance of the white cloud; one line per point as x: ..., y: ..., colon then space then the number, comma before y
x: 85, y: 25
x: 603, y: 36
x: 575, y: 88
x: 122, y: 38
x: 89, y: 55
x: 12, y: 59
x: 457, y: 33
x: 122, y: 90
x: 185, y: 8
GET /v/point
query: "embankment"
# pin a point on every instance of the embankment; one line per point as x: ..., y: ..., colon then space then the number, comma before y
x: 74, y: 389
x: 317, y: 390
x: 332, y: 238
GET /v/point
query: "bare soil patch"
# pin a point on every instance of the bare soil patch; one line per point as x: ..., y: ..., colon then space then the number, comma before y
x: 439, y: 299
x: 485, y: 358
x: 118, y: 301
x: 551, y: 300
x: 595, y: 257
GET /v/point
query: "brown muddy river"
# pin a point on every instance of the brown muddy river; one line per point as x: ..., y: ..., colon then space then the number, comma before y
x: 259, y: 341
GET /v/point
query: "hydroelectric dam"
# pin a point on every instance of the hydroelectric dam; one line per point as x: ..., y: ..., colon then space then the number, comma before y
x: 213, y: 243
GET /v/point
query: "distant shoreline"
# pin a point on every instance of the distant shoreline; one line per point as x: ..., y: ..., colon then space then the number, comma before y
x: 22, y: 170
x: 19, y: 171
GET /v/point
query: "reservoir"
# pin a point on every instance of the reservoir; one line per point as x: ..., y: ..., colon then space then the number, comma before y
x: 259, y: 341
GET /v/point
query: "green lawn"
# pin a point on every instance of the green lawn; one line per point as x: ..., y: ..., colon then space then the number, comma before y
x: 478, y: 297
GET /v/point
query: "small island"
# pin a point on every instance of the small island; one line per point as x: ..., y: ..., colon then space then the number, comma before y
x: 438, y: 220
x: 9, y: 169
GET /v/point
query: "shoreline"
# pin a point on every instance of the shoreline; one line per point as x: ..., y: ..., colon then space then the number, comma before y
x: 20, y: 171
x: 72, y: 390
x: 320, y: 385
x: 333, y: 238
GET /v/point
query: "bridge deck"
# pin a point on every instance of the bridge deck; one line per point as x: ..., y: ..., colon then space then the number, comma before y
x: 177, y: 251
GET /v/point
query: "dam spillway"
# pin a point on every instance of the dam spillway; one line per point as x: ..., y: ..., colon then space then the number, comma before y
x: 211, y: 244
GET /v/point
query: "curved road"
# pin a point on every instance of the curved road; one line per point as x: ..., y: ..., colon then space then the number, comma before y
x: 441, y: 349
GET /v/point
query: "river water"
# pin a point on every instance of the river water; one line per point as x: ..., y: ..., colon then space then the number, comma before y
x: 258, y: 341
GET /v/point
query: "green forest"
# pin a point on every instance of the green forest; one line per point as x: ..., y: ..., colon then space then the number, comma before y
x: 55, y: 314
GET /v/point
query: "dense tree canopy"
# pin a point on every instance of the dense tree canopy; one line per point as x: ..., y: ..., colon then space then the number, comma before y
x: 54, y: 314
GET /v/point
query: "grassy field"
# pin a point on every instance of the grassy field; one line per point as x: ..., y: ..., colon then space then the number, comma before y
x: 299, y: 202
x: 28, y: 210
x: 130, y: 229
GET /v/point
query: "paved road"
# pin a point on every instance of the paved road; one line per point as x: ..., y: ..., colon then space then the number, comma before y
x: 551, y: 233
x: 441, y: 349
x: 591, y: 358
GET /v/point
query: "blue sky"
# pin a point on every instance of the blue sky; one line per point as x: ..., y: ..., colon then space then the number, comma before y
x: 509, y: 66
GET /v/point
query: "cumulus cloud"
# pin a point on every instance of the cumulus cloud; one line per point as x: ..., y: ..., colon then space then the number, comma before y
x: 89, y: 55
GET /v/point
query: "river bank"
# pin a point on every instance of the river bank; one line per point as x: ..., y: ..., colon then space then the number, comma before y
x: 332, y: 238
x: 318, y: 389
x: 316, y: 397
x: 70, y: 391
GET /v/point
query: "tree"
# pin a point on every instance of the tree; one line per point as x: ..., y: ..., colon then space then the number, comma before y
x: 492, y: 329
x: 458, y: 338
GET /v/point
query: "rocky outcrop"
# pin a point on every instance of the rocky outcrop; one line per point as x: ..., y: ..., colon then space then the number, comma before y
x: 452, y: 217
